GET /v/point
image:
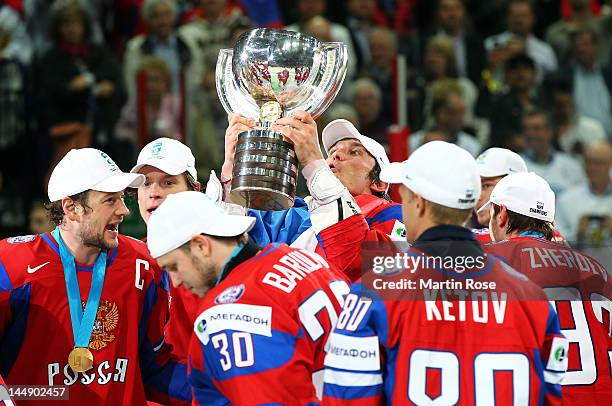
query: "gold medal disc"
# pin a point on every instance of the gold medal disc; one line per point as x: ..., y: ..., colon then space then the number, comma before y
x: 80, y: 359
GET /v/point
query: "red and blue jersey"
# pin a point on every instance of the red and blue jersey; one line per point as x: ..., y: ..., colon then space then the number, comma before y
x: 419, y: 344
x: 132, y: 362
x: 382, y: 215
x: 261, y: 332
x: 581, y: 291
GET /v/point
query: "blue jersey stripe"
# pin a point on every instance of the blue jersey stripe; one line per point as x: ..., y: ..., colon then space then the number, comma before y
x: 10, y: 346
x: 350, y: 393
x: 5, y: 281
x: 50, y: 242
x: 389, y: 213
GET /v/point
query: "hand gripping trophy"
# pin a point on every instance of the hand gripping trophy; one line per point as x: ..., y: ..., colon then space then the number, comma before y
x: 267, y: 75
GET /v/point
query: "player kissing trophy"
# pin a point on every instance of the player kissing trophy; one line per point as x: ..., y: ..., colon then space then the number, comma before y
x: 267, y: 75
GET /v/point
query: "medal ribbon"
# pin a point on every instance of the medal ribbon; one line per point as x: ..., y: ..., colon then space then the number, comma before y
x: 82, y: 322
x: 531, y: 233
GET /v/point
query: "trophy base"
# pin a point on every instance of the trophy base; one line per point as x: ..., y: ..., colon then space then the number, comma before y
x: 265, y: 171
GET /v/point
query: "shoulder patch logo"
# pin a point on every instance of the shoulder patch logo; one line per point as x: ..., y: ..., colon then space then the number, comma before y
x: 21, y: 239
x: 230, y: 295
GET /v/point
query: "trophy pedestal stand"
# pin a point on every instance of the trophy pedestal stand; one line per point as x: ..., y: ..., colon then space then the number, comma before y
x: 265, y: 171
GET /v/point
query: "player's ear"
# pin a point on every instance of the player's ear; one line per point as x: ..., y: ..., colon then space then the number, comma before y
x: 502, y: 217
x: 421, y: 205
x: 70, y: 208
x: 378, y: 186
x: 201, y: 244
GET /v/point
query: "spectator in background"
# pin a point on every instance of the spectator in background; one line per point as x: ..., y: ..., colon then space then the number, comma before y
x: 308, y: 9
x: 162, y: 108
x: 559, y: 169
x: 438, y: 64
x: 573, y: 131
x: 161, y: 40
x: 592, y: 81
x: 604, y: 28
x: 15, y: 146
x: 82, y: 85
x: 383, y: 49
x: 39, y: 219
x: 505, y: 109
x: 558, y: 35
x: 15, y: 43
x: 447, y: 110
x: 469, y: 52
x: 366, y: 97
x: 39, y: 20
x: 520, y: 19
x: 362, y: 17
x: 584, y: 213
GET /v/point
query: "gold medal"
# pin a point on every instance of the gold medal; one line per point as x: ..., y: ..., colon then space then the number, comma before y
x: 80, y: 359
x: 270, y: 112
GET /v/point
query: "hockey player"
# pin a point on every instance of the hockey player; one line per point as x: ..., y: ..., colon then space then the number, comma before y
x: 84, y: 306
x: 352, y: 167
x: 522, y: 209
x: 456, y: 345
x: 169, y: 167
x: 493, y: 165
x: 267, y: 312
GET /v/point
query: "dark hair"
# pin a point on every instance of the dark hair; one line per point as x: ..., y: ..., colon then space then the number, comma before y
x: 558, y: 82
x: 61, y: 11
x: 520, y: 60
x: 519, y: 223
x: 528, y: 2
x: 374, y: 176
x: 56, y: 211
x: 539, y: 112
x: 192, y: 182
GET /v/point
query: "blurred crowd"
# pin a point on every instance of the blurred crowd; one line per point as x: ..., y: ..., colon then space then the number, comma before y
x: 533, y: 76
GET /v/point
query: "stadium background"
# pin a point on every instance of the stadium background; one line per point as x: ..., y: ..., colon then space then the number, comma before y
x: 532, y: 76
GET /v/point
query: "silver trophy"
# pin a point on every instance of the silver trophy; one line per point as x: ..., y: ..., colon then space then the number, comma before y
x: 267, y: 75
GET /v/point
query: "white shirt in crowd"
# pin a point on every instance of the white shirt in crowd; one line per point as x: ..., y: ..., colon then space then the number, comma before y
x: 562, y: 172
x: 583, y: 130
x: 576, y: 203
x: 542, y: 54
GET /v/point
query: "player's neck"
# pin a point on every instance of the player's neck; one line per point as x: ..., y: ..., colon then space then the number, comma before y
x: 82, y: 254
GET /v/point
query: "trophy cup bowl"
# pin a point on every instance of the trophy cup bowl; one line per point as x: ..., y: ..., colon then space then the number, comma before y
x: 267, y: 75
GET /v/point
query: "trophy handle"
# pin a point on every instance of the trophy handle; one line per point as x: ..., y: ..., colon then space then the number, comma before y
x: 325, y: 81
x: 233, y: 99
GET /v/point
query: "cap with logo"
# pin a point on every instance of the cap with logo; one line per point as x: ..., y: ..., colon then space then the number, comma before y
x: 168, y: 155
x: 440, y: 172
x: 499, y: 162
x: 185, y: 214
x: 524, y: 193
x: 88, y: 169
x: 342, y: 129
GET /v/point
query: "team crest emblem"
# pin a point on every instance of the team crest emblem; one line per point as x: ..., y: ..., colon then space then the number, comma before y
x: 21, y: 239
x: 107, y: 320
x: 230, y: 295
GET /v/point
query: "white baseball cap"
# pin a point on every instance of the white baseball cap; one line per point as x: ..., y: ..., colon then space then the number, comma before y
x: 440, y: 172
x: 88, y: 168
x: 524, y: 193
x: 168, y: 155
x: 499, y: 162
x: 342, y: 129
x: 185, y: 214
